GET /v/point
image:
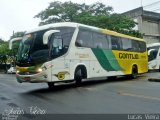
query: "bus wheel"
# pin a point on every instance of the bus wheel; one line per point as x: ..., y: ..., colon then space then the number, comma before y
x: 51, y: 85
x: 134, y: 72
x: 78, y: 76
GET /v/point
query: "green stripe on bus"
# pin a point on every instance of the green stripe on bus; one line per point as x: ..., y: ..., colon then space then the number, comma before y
x: 112, y: 59
x: 106, y: 59
x: 102, y: 59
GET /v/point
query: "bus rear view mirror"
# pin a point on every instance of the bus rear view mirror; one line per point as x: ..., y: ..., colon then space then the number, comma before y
x: 47, y: 34
x: 12, y: 40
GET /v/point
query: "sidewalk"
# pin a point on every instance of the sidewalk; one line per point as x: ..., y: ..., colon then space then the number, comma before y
x: 154, y: 76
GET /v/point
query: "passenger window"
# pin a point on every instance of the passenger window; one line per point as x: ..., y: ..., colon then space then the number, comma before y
x: 84, y: 39
x: 116, y: 43
x: 126, y: 44
x: 100, y: 41
x: 135, y: 45
x: 142, y: 46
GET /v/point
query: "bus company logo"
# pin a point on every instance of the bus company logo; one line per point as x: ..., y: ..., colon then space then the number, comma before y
x: 82, y: 55
x: 61, y: 75
x: 128, y: 56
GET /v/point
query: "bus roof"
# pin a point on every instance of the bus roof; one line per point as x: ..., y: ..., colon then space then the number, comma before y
x: 120, y: 34
x: 153, y: 44
x: 49, y: 26
x: 72, y: 24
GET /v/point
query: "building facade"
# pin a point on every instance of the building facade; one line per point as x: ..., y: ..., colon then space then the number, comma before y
x: 148, y: 23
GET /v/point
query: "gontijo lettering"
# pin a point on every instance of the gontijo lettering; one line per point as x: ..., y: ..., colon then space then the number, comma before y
x: 128, y: 56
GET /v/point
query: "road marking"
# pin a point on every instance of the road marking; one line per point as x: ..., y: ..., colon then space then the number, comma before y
x: 139, y: 96
x: 88, y: 88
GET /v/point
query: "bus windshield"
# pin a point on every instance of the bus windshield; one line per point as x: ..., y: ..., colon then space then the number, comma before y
x: 153, y: 53
x: 33, y: 51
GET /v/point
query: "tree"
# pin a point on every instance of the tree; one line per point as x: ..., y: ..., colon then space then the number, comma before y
x: 3, y: 51
x: 71, y: 12
x: 96, y: 14
x: 4, y: 47
x: 123, y: 24
x: 3, y: 59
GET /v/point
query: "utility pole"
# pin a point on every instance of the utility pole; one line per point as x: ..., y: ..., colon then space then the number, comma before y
x: 13, y: 32
x: 141, y: 3
x: 84, y: 5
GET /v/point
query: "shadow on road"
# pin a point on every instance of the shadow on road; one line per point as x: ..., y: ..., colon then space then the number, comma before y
x: 87, y: 83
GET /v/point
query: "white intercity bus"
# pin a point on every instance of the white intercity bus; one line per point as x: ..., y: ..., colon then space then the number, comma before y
x: 153, y: 56
x: 63, y: 52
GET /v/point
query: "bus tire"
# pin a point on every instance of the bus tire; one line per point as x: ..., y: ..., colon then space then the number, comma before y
x: 134, y: 72
x: 50, y: 85
x: 80, y: 73
x: 78, y: 77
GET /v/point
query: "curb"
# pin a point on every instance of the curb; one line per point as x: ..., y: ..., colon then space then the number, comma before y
x: 154, y: 79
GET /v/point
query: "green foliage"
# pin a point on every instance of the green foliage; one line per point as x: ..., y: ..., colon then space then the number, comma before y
x: 4, y: 49
x: 96, y: 14
x: 71, y: 12
x: 3, y: 59
x: 123, y: 24
x: 17, y: 34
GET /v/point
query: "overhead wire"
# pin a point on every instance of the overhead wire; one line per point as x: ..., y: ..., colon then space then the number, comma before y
x: 153, y: 6
x: 158, y: 9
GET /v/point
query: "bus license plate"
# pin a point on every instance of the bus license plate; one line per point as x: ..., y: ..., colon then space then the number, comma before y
x: 27, y: 78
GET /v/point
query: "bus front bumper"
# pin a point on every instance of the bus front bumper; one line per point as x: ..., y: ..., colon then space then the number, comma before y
x: 34, y: 78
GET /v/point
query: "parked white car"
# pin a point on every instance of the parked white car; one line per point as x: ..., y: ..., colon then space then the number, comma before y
x: 11, y: 70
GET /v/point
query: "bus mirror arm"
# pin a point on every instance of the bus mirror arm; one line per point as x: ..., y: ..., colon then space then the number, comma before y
x: 47, y: 34
x: 12, y: 40
x: 150, y: 51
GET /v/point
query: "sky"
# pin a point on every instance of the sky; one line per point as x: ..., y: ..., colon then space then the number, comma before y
x: 18, y: 15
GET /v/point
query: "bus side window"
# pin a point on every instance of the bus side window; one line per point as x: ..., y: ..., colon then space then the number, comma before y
x: 100, y: 41
x: 84, y: 39
x: 115, y: 47
x: 135, y: 46
x: 79, y: 43
x: 116, y: 43
x: 99, y: 45
x: 108, y: 37
x: 153, y: 55
x: 142, y: 46
x: 126, y: 44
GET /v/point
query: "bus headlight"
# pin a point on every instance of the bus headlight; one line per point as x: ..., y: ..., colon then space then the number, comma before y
x: 40, y: 70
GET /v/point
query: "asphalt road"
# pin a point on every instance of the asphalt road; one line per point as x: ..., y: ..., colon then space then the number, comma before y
x: 95, y: 96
